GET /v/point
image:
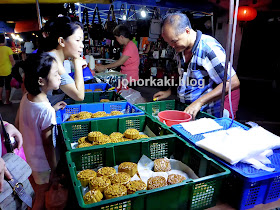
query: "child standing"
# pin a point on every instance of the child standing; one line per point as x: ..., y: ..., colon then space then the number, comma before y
x: 37, y: 119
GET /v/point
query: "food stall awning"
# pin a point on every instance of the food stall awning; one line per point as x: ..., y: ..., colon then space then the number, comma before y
x: 55, y: 1
x: 26, y: 25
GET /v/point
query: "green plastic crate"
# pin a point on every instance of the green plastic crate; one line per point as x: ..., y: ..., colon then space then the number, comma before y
x: 94, y: 97
x: 72, y: 131
x: 198, y: 193
x: 153, y: 108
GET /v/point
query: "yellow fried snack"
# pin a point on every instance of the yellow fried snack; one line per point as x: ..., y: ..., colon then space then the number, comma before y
x: 103, y: 140
x: 115, y: 140
x: 94, y: 136
x: 116, y: 135
x: 131, y: 133
x: 84, y: 115
x: 125, y: 139
x: 73, y: 117
x: 93, y: 196
x: 135, y: 185
x: 99, y: 183
x: 85, y: 144
x: 98, y: 89
x: 156, y: 182
x: 114, y: 191
x: 128, y: 167
x: 162, y: 165
x: 142, y: 136
x: 106, y: 171
x: 85, y: 175
x: 82, y: 140
x: 121, y: 178
x: 113, y: 113
x: 104, y: 100
x: 99, y: 114
x: 88, y: 90
x: 175, y: 178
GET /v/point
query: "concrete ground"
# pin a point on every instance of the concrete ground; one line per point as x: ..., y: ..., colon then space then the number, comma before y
x: 9, y: 112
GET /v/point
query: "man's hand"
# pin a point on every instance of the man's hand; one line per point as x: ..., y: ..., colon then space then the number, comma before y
x: 3, y: 173
x: 194, y: 108
x: 14, y: 132
x: 162, y: 94
x: 59, y: 105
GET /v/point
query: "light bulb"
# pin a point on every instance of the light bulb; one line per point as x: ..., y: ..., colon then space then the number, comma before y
x: 124, y: 17
x: 143, y: 13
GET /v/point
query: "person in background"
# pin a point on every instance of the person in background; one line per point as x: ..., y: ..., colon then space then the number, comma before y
x: 129, y: 61
x: 63, y: 40
x: 29, y: 47
x: 37, y: 120
x: 6, y: 63
x: 13, y: 132
x: 202, y: 60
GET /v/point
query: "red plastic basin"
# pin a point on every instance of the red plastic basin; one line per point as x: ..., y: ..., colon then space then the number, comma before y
x: 173, y: 117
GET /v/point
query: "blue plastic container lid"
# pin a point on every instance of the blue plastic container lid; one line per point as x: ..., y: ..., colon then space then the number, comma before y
x: 86, y: 73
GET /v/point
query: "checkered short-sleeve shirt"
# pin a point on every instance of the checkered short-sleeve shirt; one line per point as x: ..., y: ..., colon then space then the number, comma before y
x: 203, y: 73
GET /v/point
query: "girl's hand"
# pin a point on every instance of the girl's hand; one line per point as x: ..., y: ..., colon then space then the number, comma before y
x: 59, y: 105
x: 13, y: 132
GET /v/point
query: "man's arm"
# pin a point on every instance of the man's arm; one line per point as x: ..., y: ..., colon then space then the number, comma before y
x: 215, y: 94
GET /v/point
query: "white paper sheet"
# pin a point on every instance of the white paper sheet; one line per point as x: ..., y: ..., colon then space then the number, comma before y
x: 202, y: 125
x: 145, y: 169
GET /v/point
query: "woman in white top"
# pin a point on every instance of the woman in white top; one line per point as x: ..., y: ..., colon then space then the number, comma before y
x: 64, y: 39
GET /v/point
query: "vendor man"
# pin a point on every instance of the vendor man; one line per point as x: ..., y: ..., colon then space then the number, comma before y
x: 202, y: 62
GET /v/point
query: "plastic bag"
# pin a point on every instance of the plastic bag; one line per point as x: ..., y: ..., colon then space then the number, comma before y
x: 132, y: 96
x: 56, y: 197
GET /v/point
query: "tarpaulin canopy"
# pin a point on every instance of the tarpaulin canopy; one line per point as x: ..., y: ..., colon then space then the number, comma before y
x: 5, y: 27
x: 54, y: 1
x: 26, y: 25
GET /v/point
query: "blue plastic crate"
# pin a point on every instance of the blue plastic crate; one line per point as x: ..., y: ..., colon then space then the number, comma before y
x: 86, y: 74
x: 254, y: 186
x: 127, y: 108
x: 102, y: 86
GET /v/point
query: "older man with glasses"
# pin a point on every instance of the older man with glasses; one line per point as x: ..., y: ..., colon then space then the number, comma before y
x: 201, y: 58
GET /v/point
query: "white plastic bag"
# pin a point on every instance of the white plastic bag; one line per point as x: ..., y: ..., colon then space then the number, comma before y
x: 132, y: 96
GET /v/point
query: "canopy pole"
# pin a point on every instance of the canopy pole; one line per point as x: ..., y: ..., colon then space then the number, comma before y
x: 38, y: 14
x: 79, y: 12
x: 228, y: 46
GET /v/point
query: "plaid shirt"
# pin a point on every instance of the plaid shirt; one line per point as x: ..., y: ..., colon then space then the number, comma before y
x: 203, y: 73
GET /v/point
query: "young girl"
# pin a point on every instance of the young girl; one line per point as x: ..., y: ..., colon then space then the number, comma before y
x: 37, y: 120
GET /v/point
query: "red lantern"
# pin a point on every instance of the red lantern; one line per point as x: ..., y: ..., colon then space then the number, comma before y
x: 246, y: 13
